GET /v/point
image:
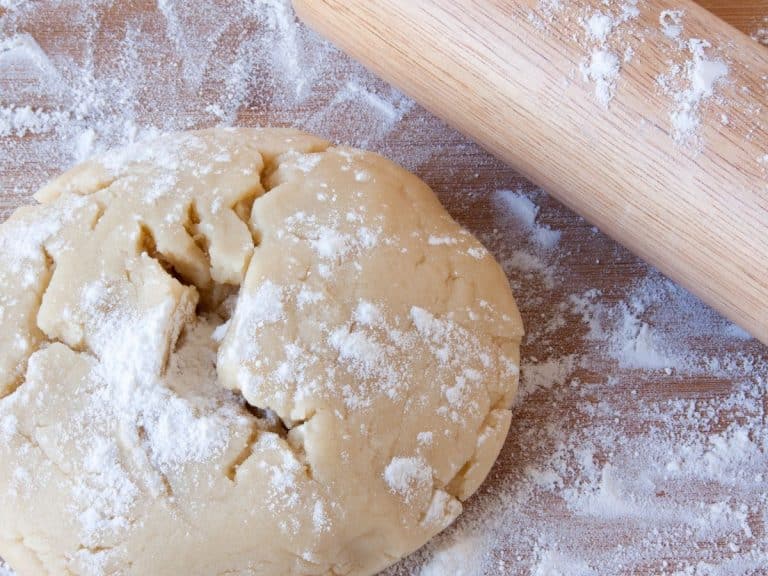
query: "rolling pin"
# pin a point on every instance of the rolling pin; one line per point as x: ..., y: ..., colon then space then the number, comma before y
x: 649, y: 119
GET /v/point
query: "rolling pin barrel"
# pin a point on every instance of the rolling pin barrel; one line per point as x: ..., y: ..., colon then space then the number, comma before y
x: 650, y: 121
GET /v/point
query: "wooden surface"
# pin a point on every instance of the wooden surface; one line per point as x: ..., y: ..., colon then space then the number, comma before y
x: 746, y: 15
x: 695, y: 209
x: 466, y: 179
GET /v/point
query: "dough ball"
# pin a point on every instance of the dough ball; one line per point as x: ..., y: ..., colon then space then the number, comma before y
x: 243, y: 352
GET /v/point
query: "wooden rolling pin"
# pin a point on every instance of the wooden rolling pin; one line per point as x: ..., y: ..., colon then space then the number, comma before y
x: 658, y: 139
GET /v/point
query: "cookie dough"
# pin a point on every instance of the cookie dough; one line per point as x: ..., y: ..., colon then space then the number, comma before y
x: 243, y: 351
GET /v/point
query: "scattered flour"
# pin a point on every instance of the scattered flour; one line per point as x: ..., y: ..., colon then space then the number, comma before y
x: 20, y: 121
x: 554, y: 563
x: 608, y: 47
x: 626, y: 477
x: 408, y: 475
x: 545, y: 374
x: 184, y: 66
x: 671, y: 22
x: 610, y: 39
x: 599, y: 26
x: 691, y: 83
x: 761, y: 35
x: 610, y: 467
x: 603, y: 69
x: 703, y: 75
x: 460, y: 558
x: 525, y: 211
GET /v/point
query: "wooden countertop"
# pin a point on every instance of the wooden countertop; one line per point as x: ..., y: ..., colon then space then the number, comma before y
x: 468, y: 181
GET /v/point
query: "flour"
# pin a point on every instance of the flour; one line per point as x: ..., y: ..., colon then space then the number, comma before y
x: 460, y: 558
x: 610, y: 40
x: 182, y: 415
x: 370, y: 349
x: 545, y: 374
x: 703, y: 75
x: 406, y: 476
x: 603, y: 69
x: 106, y: 491
x: 601, y: 443
x: 187, y: 66
x: 524, y: 210
x: 607, y: 47
x: 599, y: 26
x: 327, y: 241
x: 690, y: 84
x: 684, y: 489
x: 671, y: 22
x: 25, y: 120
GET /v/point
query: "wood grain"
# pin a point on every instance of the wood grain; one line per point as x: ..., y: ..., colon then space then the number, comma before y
x: 745, y: 15
x: 697, y: 211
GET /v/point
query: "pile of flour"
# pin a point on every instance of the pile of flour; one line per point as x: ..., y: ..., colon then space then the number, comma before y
x: 639, y: 441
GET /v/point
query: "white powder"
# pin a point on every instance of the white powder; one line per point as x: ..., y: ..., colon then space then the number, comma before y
x: 372, y: 350
x: 442, y: 240
x: 608, y: 35
x: 24, y: 120
x: 460, y: 558
x: 184, y: 415
x: 524, y: 210
x: 264, y: 306
x: 320, y: 518
x: 549, y: 9
x: 255, y: 310
x: 106, y: 491
x: 20, y: 243
x: 307, y: 296
x: 691, y: 86
x: 557, y: 564
x: 360, y: 350
x: 761, y: 34
x: 368, y: 314
x: 545, y: 374
x: 671, y: 23
x: 330, y: 243
x: 705, y: 73
x: 520, y: 206
x: 328, y: 239
x: 599, y: 26
x: 8, y: 427
x: 603, y: 69
x: 407, y: 476
x: 639, y: 347
x: 530, y: 267
x: 283, y: 477
x: 477, y: 253
x: 424, y: 438
x: 628, y: 10
x: 202, y: 66
x: 676, y: 475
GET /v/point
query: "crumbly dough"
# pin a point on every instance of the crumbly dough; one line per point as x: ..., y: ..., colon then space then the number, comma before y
x: 243, y: 352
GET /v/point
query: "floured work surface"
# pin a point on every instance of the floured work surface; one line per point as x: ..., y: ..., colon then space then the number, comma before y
x: 639, y: 444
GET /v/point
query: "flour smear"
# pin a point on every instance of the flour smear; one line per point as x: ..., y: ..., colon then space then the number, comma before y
x: 695, y: 70
x: 639, y: 443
